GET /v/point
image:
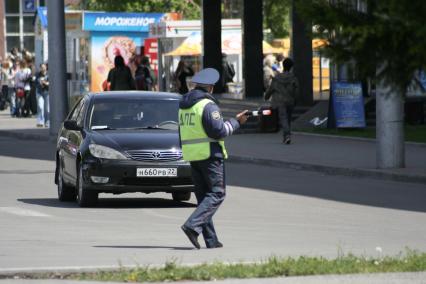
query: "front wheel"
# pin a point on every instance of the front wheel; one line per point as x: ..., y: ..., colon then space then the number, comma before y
x: 85, y: 198
x: 181, y: 196
x: 65, y: 192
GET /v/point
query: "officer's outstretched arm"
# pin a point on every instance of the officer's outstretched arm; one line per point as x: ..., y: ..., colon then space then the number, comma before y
x: 215, y: 126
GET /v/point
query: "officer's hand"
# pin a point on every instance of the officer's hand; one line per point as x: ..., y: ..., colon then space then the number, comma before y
x: 242, y: 117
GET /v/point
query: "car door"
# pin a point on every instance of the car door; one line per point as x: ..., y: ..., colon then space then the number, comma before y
x: 71, y: 144
x: 75, y: 138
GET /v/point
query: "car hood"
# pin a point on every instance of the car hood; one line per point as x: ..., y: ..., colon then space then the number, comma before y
x: 147, y: 139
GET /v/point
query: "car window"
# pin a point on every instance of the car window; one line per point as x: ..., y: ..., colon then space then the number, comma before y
x: 81, y: 113
x: 132, y: 113
x: 74, y: 113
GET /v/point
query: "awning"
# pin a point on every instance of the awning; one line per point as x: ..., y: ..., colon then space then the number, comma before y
x: 231, y: 44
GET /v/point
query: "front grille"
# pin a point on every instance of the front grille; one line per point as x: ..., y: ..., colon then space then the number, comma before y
x: 155, y: 155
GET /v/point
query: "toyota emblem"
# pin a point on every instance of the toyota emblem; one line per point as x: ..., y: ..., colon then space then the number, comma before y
x: 156, y: 155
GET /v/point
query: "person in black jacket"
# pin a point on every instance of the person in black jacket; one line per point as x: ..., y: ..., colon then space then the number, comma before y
x: 120, y: 77
x: 228, y: 72
x: 144, y: 76
x: 182, y: 72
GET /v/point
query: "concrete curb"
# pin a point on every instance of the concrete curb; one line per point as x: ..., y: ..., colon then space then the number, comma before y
x: 371, y: 140
x: 331, y: 170
x: 24, y: 136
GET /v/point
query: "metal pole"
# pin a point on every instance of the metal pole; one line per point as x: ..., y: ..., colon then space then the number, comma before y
x: 212, y: 37
x: 252, y: 48
x: 301, y: 43
x: 57, y: 65
x: 389, y: 128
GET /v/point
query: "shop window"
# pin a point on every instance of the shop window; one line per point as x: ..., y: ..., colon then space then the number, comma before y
x: 29, y: 24
x: 12, y: 6
x: 11, y: 42
x: 29, y: 43
x: 12, y: 24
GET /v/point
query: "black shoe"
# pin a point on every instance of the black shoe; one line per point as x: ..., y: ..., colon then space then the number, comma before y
x: 287, y: 140
x: 216, y: 245
x: 192, y: 236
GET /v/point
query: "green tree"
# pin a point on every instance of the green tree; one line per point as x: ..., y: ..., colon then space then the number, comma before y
x: 276, y: 17
x: 190, y: 9
x: 386, y: 40
x: 389, y: 34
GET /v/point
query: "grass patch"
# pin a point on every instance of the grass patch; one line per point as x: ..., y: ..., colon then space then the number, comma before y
x: 413, y: 133
x: 410, y: 261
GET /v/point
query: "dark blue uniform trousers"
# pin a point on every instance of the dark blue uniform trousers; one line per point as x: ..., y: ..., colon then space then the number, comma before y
x: 209, y: 180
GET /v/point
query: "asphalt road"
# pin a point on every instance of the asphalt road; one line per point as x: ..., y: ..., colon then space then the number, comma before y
x: 268, y: 212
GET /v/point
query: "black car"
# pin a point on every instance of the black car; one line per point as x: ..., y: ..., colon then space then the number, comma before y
x: 118, y: 142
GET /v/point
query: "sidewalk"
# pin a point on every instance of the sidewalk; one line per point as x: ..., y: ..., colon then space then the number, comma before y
x: 327, y: 154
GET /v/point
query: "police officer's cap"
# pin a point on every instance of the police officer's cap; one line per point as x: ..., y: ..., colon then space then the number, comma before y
x: 208, y: 76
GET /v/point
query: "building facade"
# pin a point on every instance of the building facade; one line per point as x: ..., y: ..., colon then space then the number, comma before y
x: 17, y: 29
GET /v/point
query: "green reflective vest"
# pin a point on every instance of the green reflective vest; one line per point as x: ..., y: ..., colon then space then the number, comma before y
x: 194, y: 140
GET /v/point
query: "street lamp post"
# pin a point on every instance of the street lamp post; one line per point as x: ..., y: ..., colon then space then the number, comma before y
x: 57, y: 65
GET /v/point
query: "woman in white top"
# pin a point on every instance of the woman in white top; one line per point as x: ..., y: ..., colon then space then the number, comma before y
x: 11, y: 84
x: 23, y: 88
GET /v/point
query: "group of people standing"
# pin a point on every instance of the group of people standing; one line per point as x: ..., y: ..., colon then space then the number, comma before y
x: 121, y: 77
x: 24, y: 90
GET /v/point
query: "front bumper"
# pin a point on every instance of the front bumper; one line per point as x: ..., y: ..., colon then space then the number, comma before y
x: 122, y: 177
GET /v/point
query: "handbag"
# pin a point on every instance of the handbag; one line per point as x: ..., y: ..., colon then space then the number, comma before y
x: 20, y: 93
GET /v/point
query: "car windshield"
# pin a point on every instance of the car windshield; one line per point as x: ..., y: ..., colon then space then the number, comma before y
x: 134, y: 114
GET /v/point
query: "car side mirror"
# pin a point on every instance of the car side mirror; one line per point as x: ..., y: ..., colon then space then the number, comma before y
x: 71, y: 125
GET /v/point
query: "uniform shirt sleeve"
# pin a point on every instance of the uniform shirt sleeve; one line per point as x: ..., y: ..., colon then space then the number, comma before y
x: 214, y: 125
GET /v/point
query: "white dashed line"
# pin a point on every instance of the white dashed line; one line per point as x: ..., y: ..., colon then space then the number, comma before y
x: 22, y: 212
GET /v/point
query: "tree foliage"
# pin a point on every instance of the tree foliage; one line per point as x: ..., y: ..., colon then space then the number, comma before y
x: 385, y: 34
x: 190, y: 9
x: 276, y: 17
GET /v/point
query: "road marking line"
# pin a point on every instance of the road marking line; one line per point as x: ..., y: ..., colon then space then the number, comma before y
x: 22, y: 212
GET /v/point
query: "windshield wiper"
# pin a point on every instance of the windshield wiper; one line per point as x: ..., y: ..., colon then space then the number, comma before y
x: 144, y: 127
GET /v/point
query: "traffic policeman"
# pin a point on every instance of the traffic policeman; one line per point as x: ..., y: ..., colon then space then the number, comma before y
x: 202, y: 130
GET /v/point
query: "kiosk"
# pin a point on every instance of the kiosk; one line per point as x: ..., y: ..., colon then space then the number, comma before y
x: 113, y: 34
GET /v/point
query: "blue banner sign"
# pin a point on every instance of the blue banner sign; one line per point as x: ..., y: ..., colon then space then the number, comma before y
x: 42, y: 14
x: 128, y: 22
x: 348, y: 104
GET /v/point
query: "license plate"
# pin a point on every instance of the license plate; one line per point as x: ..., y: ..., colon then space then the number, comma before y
x: 156, y: 172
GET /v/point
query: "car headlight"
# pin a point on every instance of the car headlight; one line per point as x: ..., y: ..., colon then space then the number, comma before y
x: 104, y: 152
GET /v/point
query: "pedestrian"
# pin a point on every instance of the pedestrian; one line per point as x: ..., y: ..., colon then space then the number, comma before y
x: 120, y: 77
x: 11, y: 73
x: 283, y: 92
x: 33, y: 93
x: 4, y: 81
x: 268, y: 72
x: 183, y: 71
x: 15, y: 55
x: 228, y: 72
x: 202, y: 130
x: 144, y: 75
x: 42, y: 93
x: 23, y: 87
